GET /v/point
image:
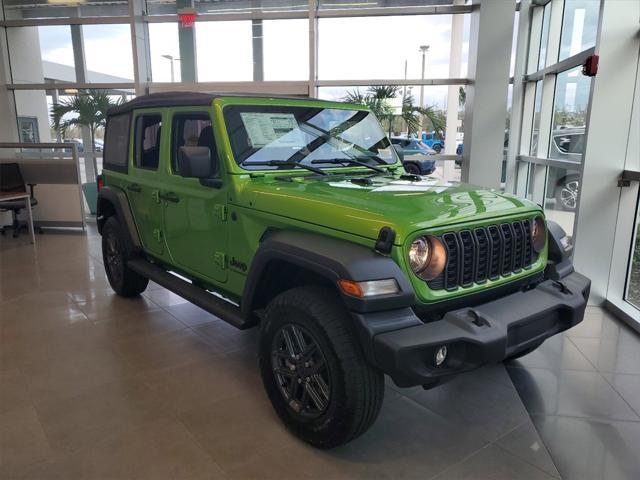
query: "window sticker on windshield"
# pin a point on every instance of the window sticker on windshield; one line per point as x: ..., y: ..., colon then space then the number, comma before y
x: 266, y: 128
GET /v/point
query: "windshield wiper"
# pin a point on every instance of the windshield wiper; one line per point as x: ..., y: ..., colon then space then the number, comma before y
x: 350, y: 161
x: 286, y: 163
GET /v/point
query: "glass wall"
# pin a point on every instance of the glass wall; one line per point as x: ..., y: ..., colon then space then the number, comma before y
x: 286, y: 57
x: 51, y: 60
x: 224, y: 51
x: 395, y: 47
x: 401, y: 119
x: 633, y: 287
x: 567, y: 143
x: 168, y: 7
x: 108, y: 53
x: 28, y: 9
x: 579, y: 26
x: 164, y: 52
x: 556, y: 103
x: 265, y: 42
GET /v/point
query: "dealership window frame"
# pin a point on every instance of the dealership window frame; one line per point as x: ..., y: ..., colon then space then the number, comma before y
x: 139, y: 20
x: 527, y: 170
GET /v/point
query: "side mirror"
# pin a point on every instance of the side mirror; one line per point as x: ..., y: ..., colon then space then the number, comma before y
x: 399, y: 151
x: 195, y: 162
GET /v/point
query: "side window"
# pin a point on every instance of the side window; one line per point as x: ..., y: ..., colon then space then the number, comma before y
x: 192, y: 130
x: 147, y: 141
x: 116, y: 143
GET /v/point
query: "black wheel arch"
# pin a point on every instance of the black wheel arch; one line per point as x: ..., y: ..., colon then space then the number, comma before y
x: 288, y: 258
x: 113, y: 201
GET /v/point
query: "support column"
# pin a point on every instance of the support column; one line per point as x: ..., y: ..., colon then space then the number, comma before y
x: 518, y: 96
x: 453, y: 102
x: 609, y: 124
x: 77, y: 40
x: 187, y: 40
x: 313, y: 48
x: 486, y: 101
x: 140, y: 47
x: 257, y: 43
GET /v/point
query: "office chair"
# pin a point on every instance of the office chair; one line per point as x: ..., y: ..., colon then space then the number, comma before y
x: 11, y: 181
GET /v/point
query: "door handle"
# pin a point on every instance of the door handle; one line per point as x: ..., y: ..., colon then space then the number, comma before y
x: 134, y: 187
x: 170, y: 197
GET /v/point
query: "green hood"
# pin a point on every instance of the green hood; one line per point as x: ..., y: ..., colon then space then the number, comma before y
x: 405, y: 206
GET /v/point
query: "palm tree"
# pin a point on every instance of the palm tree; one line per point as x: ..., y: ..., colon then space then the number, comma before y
x: 378, y: 98
x: 84, y: 110
x: 411, y: 116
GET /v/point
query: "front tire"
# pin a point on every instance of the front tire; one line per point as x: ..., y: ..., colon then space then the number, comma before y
x: 437, y: 147
x: 124, y: 281
x: 314, y: 370
x: 411, y: 168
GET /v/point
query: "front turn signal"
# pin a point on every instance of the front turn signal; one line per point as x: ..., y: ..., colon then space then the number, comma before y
x: 369, y: 288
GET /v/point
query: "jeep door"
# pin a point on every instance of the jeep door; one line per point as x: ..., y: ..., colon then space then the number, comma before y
x: 195, y: 228
x: 144, y: 179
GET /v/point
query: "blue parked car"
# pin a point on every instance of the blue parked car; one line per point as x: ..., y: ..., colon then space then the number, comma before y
x: 433, y: 141
x: 414, y: 155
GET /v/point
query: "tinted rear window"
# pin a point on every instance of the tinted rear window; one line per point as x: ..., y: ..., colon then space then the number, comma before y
x: 116, y: 143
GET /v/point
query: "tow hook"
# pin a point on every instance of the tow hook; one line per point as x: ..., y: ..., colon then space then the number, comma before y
x: 562, y: 287
x: 477, y: 319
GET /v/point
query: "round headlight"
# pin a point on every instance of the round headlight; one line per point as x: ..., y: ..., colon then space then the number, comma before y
x: 427, y: 257
x: 419, y: 254
x: 538, y: 234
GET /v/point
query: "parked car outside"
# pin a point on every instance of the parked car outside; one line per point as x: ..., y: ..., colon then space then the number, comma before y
x: 563, y: 184
x: 432, y: 140
x: 295, y: 215
x: 415, y: 155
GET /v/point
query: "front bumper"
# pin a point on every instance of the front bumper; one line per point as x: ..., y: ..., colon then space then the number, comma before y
x: 474, y: 336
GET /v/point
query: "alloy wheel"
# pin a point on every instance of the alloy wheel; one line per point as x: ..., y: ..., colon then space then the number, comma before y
x: 114, y: 257
x: 569, y: 194
x: 301, y: 371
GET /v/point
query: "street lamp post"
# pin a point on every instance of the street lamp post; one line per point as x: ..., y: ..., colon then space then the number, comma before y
x: 171, y: 59
x: 424, y: 49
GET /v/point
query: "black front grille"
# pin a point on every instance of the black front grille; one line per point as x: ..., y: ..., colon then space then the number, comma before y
x: 475, y: 255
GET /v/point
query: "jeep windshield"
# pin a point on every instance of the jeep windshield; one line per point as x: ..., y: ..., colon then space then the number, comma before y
x: 273, y: 137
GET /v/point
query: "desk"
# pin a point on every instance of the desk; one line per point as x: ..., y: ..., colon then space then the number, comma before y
x: 10, y: 196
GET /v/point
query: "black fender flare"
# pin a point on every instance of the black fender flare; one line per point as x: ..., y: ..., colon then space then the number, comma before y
x: 333, y: 259
x: 117, y: 198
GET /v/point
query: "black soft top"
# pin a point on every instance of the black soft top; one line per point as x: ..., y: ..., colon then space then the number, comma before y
x: 185, y: 99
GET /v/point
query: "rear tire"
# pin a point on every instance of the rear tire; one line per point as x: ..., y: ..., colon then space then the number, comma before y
x: 124, y: 281
x: 314, y: 370
x: 437, y: 147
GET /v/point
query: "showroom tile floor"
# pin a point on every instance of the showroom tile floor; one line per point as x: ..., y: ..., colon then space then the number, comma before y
x: 95, y: 386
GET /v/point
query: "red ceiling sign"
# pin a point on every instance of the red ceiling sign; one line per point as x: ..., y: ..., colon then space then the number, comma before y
x: 187, y: 17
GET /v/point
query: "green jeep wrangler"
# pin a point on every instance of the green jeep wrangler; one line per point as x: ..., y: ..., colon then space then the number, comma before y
x: 296, y: 215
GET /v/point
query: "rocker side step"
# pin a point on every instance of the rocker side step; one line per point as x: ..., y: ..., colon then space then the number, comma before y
x: 196, y: 295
